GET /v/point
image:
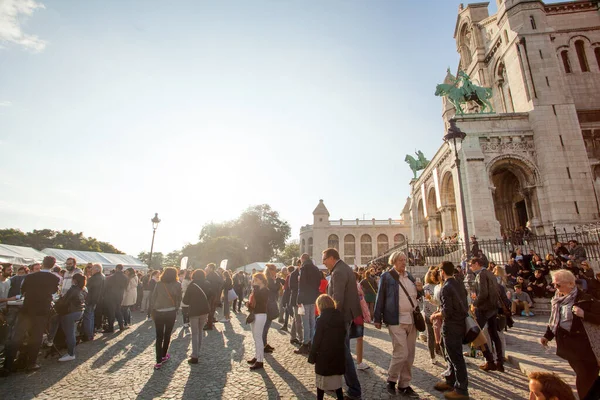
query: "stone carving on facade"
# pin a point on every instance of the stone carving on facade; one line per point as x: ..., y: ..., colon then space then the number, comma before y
x: 514, y: 144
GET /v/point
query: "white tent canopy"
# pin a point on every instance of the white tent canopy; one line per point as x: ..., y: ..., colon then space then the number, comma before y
x: 259, y: 266
x: 18, y: 255
x: 108, y: 260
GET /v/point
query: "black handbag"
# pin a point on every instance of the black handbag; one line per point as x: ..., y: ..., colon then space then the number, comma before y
x: 417, y: 316
x: 250, y: 318
x: 272, y: 310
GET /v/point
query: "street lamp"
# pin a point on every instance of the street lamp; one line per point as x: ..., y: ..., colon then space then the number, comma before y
x: 453, y: 134
x: 155, y: 222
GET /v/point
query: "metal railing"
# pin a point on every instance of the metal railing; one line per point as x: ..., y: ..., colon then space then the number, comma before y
x: 500, y: 250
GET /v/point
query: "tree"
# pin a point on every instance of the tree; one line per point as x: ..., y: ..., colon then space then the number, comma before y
x: 173, y: 259
x: 47, y: 238
x: 289, y: 253
x: 215, y: 250
x: 157, y: 259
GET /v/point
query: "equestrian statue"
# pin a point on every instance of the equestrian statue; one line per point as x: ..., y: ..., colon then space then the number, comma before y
x: 416, y: 164
x: 461, y: 91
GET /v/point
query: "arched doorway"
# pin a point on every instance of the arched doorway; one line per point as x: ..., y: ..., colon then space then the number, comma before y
x: 433, y: 217
x: 448, y: 211
x: 514, y: 194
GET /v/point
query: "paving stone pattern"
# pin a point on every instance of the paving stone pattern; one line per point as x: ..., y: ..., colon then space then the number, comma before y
x: 120, y: 366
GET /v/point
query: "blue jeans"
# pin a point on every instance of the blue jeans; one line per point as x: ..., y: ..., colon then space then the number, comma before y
x: 354, y: 389
x: 88, y: 320
x: 69, y: 326
x: 458, y: 377
x: 308, y: 322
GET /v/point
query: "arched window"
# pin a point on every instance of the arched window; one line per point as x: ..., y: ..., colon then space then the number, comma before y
x: 597, y: 53
x: 383, y: 244
x: 532, y: 20
x: 366, y: 248
x: 333, y: 242
x: 310, y: 247
x: 399, y: 239
x: 583, y: 63
x: 504, y: 88
x: 564, y: 55
x: 303, y: 247
x: 349, y: 249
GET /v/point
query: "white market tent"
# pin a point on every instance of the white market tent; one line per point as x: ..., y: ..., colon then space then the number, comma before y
x: 259, y: 266
x: 18, y: 255
x: 108, y: 260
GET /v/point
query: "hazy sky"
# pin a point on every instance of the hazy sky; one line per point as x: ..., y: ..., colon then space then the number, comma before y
x: 112, y: 110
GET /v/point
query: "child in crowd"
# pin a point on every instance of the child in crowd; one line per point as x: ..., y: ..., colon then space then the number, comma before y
x: 327, y: 350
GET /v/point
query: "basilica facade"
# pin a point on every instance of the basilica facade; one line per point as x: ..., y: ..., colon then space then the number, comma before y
x: 535, y: 161
x: 358, y: 241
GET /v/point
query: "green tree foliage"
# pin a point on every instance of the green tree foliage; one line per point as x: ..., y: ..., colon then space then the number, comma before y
x: 289, y: 253
x: 258, y: 234
x: 158, y: 259
x: 47, y: 238
x: 173, y: 259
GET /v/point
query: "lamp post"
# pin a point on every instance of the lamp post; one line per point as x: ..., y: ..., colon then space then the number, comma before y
x: 453, y: 134
x: 155, y: 222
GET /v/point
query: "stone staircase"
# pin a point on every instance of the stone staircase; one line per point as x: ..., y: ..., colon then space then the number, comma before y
x: 542, y: 307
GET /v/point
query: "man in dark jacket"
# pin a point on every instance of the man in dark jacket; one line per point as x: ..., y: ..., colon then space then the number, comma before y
x: 95, y: 287
x: 37, y: 289
x: 216, y: 285
x: 114, y: 287
x: 485, y: 300
x: 342, y: 288
x: 296, y: 332
x: 454, y: 312
x: 197, y: 300
x: 308, y: 291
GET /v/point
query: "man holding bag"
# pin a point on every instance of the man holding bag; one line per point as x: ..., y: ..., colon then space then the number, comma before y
x: 454, y: 312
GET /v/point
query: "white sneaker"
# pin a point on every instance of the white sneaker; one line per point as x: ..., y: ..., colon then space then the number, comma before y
x: 224, y: 320
x: 66, y: 357
x: 362, y: 366
x: 49, y: 344
x: 186, y: 326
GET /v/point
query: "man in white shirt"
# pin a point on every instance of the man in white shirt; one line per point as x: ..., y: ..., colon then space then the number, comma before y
x: 67, y: 280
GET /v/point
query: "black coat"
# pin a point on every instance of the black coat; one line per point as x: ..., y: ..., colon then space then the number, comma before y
x: 310, y: 280
x: 38, y: 288
x: 575, y: 345
x: 328, y: 345
x: 72, y: 301
x: 293, y: 284
x: 95, y: 287
x: 196, y: 299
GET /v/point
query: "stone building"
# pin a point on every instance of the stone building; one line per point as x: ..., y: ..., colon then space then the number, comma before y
x: 358, y: 241
x: 536, y: 161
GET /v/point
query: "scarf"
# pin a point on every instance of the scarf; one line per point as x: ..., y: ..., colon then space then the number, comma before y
x: 557, y: 303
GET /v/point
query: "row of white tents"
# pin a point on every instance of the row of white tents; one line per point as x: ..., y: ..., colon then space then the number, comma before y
x: 19, y: 255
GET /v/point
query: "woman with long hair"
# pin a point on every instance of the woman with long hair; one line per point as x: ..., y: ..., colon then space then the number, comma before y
x: 164, y: 303
x: 129, y: 296
x: 227, y: 286
x: 271, y: 275
x: 258, y: 306
x: 360, y: 330
x: 185, y: 309
x: 369, y: 287
x: 429, y: 308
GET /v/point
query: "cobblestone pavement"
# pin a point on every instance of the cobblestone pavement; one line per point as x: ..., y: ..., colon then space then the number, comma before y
x: 526, y: 353
x: 120, y: 366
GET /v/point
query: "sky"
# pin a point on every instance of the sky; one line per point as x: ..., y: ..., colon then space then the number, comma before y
x: 111, y: 111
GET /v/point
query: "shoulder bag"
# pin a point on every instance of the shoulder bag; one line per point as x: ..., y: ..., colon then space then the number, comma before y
x: 417, y: 316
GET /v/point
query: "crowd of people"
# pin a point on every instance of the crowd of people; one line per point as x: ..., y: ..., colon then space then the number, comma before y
x: 323, y: 310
